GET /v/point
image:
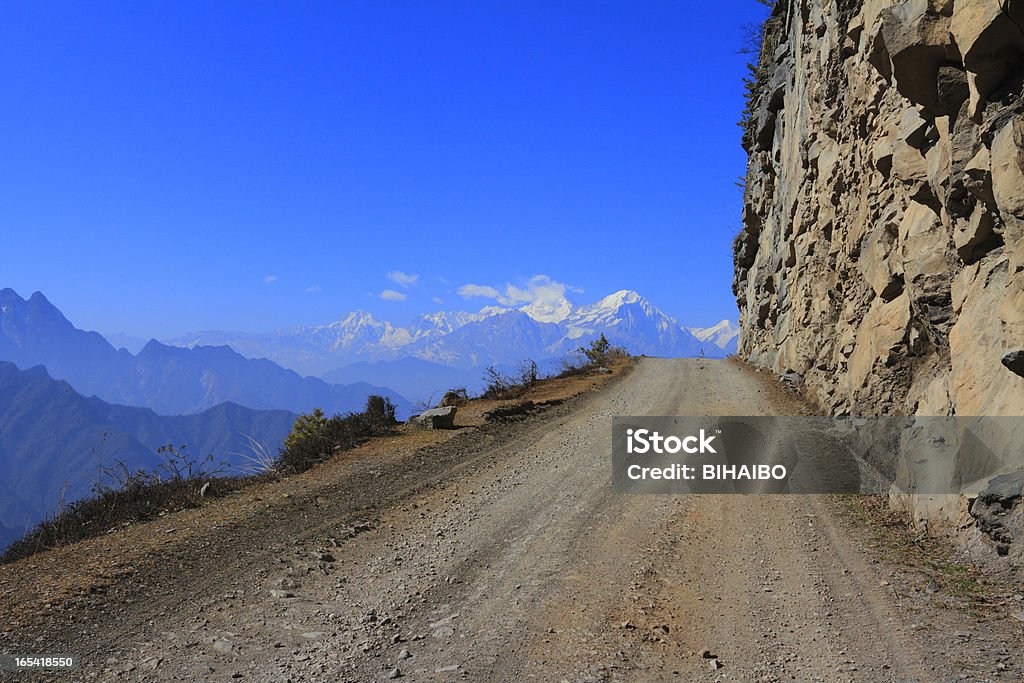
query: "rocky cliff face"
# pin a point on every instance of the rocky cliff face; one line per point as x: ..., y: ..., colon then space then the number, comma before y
x: 881, y: 260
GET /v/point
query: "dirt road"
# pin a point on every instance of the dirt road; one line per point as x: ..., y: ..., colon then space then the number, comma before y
x: 505, y: 556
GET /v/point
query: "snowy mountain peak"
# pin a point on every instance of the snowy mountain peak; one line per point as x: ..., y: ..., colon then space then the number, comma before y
x: 609, y: 309
x: 720, y: 335
x: 490, y: 311
x: 543, y: 327
x: 443, y: 321
x: 356, y: 318
x: 549, y: 311
x: 619, y: 299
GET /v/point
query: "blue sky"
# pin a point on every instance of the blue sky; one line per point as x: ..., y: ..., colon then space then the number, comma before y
x: 178, y: 166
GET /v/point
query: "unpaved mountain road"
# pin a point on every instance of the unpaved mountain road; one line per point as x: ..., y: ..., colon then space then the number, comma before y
x: 510, y: 559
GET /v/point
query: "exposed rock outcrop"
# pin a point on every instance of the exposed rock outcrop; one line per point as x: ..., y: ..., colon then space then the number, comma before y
x: 882, y: 252
x: 998, y: 512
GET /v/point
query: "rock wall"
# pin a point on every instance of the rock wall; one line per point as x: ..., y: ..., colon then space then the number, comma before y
x: 880, y: 267
x: 881, y: 260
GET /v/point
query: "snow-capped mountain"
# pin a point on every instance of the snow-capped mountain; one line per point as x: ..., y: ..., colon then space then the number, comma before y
x: 500, y: 339
x: 629, y: 320
x: 495, y: 335
x: 724, y: 335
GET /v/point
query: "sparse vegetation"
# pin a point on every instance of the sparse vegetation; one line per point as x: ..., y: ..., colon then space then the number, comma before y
x: 571, y: 365
x: 601, y: 352
x: 512, y: 412
x: 597, y: 351
x: 122, y: 497
x: 380, y: 408
x: 949, y: 574
x: 586, y: 359
x: 499, y: 385
x: 257, y: 458
x: 309, y: 432
x: 528, y: 372
x: 315, y: 438
x: 758, y: 39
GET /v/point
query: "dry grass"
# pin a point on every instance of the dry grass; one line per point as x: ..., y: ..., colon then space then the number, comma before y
x: 933, y: 558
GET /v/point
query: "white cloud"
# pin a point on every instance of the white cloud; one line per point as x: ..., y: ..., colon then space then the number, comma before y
x: 313, y: 289
x: 542, y: 298
x: 270, y: 279
x: 437, y: 300
x: 469, y: 291
x: 392, y: 295
x: 403, y: 279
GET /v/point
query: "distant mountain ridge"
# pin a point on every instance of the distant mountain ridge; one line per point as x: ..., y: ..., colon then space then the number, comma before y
x: 169, y: 379
x: 495, y: 335
x: 53, y: 441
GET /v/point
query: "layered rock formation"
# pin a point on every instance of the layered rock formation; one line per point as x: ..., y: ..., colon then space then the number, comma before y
x: 881, y: 259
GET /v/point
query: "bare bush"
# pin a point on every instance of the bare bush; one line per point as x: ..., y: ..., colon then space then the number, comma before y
x: 528, y: 372
x: 123, y: 496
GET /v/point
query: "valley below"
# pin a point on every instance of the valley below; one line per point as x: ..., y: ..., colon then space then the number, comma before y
x: 499, y: 552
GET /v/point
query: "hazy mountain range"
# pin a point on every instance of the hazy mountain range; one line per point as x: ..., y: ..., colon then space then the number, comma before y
x: 170, y: 380
x: 52, y: 441
x: 495, y: 335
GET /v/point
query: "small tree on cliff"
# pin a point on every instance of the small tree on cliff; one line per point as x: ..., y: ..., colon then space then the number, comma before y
x: 597, y: 352
x: 309, y: 430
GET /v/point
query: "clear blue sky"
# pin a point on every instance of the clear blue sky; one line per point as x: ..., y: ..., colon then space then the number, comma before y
x: 173, y: 166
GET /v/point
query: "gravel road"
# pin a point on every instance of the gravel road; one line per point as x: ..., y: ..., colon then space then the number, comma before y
x: 503, y: 555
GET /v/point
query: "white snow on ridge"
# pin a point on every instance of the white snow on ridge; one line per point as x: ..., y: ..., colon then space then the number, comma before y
x: 720, y: 335
x: 547, y: 328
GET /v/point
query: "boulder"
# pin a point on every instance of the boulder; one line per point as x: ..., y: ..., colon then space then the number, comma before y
x: 436, y: 418
x: 1005, y: 489
x: 994, y: 510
